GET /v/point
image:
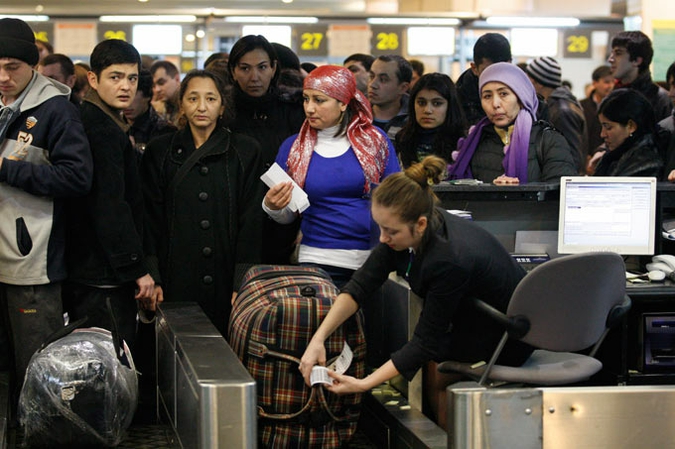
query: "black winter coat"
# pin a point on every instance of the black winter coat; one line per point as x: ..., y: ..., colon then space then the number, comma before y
x: 203, y: 227
x: 657, y: 95
x: 567, y: 115
x: 635, y: 157
x: 549, y: 156
x: 269, y: 119
x: 105, y: 227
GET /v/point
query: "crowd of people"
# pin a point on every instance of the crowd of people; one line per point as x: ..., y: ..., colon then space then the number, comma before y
x: 139, y: 185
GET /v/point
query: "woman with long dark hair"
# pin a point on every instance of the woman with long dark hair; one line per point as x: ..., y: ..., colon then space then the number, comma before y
x: 269, y: 116
x: 435, y: 121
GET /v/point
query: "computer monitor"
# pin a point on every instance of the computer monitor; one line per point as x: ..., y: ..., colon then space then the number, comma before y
x: 614, y: 214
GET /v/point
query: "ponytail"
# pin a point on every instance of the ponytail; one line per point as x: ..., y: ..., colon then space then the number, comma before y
x: 409, y: 193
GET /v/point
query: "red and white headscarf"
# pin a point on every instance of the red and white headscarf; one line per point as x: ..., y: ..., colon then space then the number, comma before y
x: 370, y: 146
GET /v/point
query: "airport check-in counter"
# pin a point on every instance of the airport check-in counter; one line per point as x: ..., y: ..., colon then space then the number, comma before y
x: 204, y: 391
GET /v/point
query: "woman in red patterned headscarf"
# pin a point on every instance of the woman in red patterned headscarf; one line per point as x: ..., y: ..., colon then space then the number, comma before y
x: 336, y: 158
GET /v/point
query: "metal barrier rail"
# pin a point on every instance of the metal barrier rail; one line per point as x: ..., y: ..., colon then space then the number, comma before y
x: 204, y: 391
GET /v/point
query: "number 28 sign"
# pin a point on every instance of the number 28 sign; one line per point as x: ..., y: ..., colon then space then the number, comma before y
x: 386, y: 41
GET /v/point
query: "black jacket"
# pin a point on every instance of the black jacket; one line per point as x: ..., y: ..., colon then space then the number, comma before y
x: 105, y: 227
x: 566, y: 114
x: 657, y: 95
x: 459, y: 261
x: 549, y: 156
x: 203, y: 225
x: 593, y: 127
x: 269, y: 119
x: 635, y: 157
x: 469, y: 97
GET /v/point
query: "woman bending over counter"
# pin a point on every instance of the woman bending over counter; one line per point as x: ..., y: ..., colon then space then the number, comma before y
x: 446, y: 260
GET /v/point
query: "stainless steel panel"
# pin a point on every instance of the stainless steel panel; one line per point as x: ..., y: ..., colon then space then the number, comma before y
x: 209, y: 397
x: 617, y: 417
x: 186, y: 318
x: 500, y: 418
x: 166, y: 372
x: 188, y: 414
x: 227, y: 393
x: 609, y: 417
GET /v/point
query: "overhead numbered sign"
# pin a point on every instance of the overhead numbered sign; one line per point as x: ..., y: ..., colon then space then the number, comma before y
x: 311, y: 41
x: 577, y: 44
x: 386, y: 40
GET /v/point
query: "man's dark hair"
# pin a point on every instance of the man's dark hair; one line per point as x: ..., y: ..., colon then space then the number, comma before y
x: 66, y: 64
x: 113, y: 51
x: 249, y: 43
x: 601, y: 72
x: 145, y: 83
x: 168, y: 66
x: 670, y: 73
x: 638, y: 45
x: 403, y: 70
x: 216, y: 56
x: 365, y: 60
x: 417, y: 66
x: 493, y: 47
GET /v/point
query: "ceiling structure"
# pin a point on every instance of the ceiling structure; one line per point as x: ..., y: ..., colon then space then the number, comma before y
x: 201, y: 8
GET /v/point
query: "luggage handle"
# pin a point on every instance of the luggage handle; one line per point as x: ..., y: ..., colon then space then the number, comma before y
x: 261, y: 351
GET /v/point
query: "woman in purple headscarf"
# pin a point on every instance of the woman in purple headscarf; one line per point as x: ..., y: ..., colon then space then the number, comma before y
x: 509, y: 146
x: 336, y: 158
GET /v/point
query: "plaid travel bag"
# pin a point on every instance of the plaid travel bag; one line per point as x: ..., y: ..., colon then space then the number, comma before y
x: 274, y: 317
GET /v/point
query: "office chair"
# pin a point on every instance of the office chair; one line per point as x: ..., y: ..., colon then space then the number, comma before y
x: 564, y: 305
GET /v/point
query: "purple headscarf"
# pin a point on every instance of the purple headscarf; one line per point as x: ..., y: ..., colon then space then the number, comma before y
x: 515, y: 153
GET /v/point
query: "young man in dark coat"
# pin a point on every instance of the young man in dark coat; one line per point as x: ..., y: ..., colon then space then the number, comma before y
x: 631, y: 55
x: 105, y: 247
x: 488, y: 49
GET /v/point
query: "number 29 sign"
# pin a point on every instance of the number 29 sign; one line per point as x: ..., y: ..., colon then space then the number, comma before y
x: 577, y: 44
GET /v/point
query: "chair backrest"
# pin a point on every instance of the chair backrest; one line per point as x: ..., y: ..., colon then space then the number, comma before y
x: 567, y: 300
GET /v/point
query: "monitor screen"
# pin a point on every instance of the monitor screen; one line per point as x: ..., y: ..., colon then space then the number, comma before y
x: 614, y: 214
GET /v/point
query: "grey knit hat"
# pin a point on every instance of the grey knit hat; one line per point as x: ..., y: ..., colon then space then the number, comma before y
x: 546, y: 71
x: 18, y: 41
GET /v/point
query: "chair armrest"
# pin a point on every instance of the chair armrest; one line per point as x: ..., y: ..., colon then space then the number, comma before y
x: 516, y: 326
x: 617, y: 313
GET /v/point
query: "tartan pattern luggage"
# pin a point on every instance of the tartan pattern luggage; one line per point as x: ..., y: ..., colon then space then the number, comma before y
x: 274, y: 317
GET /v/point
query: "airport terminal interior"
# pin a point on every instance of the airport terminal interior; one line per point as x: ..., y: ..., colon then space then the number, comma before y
x: 204, y: 397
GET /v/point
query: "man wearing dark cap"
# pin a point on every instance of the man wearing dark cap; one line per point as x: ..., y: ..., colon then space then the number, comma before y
x: 488, y: 49
x: 44, y: 159
x: 565, y: 111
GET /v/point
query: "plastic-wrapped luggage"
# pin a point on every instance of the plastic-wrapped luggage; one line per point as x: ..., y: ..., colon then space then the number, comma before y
x: 274, y: 317
x: 78, y: 393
